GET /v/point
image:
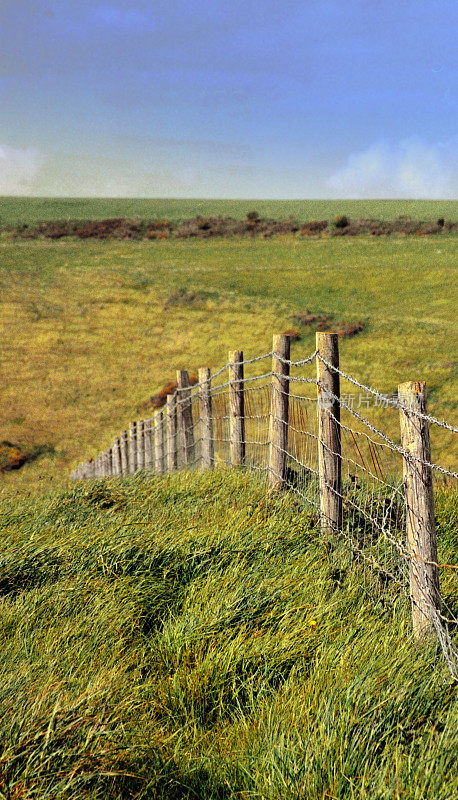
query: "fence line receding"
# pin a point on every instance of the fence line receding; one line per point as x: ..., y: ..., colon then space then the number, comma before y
x: 290, y: 421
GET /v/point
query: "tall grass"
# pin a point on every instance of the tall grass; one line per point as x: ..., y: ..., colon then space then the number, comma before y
x: 192, y: 637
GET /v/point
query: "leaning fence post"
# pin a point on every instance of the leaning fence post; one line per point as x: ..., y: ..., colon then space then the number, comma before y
x: 206, y: 418
x: 124, y: 453
x: 172, y: 438
x: 159, y: 441
x: 185, y: 417
x: 279, y: 411
x: 141, y: 444
x: 420, y: 524
x: 236, y: 408
x: 133, y: 448
x: 329, y: 440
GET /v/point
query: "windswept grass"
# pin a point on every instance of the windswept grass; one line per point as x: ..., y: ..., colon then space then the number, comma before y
x: 192, y: 637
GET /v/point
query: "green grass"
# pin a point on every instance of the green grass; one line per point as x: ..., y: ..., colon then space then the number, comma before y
x: 30, y: 210
x: 88, y: 333
x: 192, y: 637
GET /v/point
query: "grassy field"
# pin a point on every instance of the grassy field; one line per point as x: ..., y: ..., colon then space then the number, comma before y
x: 187, y: 637
x: 191, y: 636
x: 88, y: 333
x: 30, y: 210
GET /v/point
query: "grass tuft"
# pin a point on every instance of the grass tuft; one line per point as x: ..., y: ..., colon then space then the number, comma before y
x: 191, y: 636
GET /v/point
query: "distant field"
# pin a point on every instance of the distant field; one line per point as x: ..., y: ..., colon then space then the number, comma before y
x: 31, y: 210
x: 88, y: 332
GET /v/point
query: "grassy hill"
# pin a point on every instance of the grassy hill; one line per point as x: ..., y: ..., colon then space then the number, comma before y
x: 191, y: 637
x: 91, y: 329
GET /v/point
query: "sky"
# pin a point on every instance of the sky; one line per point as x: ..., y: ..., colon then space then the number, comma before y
x: 213, y: 98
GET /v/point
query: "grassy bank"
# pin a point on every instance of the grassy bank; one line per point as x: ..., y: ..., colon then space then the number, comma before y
x: 189, y: 637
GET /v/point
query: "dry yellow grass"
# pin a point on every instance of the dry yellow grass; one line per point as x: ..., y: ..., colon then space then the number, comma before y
x: 87, y: 334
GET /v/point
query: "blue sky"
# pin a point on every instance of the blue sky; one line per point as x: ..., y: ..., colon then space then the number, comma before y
x: 204, y: 98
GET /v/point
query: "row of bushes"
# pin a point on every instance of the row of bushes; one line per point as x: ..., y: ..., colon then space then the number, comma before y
x: 207, y: 227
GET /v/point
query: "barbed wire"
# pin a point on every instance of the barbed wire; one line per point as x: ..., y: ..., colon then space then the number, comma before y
x: 372, y: 494
x: 396, y: 403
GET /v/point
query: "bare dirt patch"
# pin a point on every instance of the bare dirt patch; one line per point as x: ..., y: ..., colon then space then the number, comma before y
x: 327, y: 322
x: 159, y: 400
x: 14, y: 456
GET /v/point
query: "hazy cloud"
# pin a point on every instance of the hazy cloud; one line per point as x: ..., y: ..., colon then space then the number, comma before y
x: 408, y: 168
x: 19, y: 169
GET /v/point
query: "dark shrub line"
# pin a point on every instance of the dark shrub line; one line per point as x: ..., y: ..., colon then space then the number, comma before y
x: 217, y: 226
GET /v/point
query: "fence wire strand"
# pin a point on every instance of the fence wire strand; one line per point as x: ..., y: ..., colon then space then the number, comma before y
x: 198, y: 428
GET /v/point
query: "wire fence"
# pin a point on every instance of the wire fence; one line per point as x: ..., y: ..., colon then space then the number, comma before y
x: 290, y: 421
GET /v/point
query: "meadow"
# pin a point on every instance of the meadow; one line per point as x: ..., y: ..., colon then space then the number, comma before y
x: 31, y: 210
x: 90, y: 330
x: 190, y: 636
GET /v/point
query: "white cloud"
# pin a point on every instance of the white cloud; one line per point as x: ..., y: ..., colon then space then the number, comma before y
x: 19, y: 169
x: 410, y: 168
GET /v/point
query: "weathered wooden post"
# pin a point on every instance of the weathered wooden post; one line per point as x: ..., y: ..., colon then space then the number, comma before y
x: 159, y: 442
x: 329, y: 440
x: 420, y: 524
x: 125, y: 453
x: 148, y: 444
x: 133, y: 448
x: 172, y: 433
x: 141, y: 444
x: 236, y: 408
x: 110, y: 462
x: 206, y: 419
x: 185, y: 419
x: 279, y: 412
x: 117, y: 465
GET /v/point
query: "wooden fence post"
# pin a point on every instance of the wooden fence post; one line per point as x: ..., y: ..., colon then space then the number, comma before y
x: 329, y: 440
x: 279, y: 412
x: 148, y: 433
x: 206, y: 419
x: 185, y: 419
x: 159, y: 441
x: 133, y: 448
x: 117, y: 465
x: 141, y: 444
x: 124, y: 453
x: 420, y: 524
x: 110, y: 462
x: 172, y: 433
x: 236, y: 408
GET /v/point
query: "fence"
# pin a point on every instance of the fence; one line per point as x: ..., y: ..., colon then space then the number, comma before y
x: 305, y: 435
